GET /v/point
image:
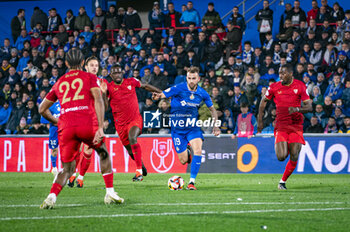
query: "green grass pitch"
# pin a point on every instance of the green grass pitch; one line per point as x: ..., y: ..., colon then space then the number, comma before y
x: 223, y: 202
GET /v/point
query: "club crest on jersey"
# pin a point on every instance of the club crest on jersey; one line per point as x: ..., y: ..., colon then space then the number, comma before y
x: 129, y: 87
x: 192, y: 96
x: 295, y: 91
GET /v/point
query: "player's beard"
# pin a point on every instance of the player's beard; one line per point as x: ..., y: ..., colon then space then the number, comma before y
x: 193, y: 88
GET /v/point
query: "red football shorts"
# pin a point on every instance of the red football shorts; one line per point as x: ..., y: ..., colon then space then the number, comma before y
x: 289, y: 137
x: 123, y: 131
x: 70, y: 139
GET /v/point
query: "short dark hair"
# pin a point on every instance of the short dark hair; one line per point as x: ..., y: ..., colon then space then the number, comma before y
x: 20, y: 11
x: 288, y: 67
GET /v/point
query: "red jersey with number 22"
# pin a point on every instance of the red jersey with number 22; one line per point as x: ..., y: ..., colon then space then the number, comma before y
x: 77, y: 102
x: 285, y: 97
x: 123, y: 100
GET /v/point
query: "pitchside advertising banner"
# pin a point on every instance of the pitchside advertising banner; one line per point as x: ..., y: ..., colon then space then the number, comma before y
x: 321, y: 154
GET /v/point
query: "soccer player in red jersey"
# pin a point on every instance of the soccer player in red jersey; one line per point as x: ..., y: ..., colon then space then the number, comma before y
x: 128, y: 121
x: 288, y: 95
x: 81, y: 120
x: 91, y: 66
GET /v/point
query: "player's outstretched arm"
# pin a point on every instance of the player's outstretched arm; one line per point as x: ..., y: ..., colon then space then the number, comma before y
x: 262, y: 106
x: 307, y: 107
x: 214, y: 116
x: 45, y: 112
x: 104, y: 89
x: 100, y: 113
x: 150, y: 88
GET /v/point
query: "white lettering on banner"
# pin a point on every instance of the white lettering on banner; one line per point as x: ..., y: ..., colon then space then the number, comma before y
x: 111, y: 153
x: 7, y: 153
x: 220, y: 156
x: 324, y: 157
x: 46, y: 157
x: 334, y: 168
x: 21, y: 157
x: 316, y: 162
x: 126, y: 159
x: 97, y: 163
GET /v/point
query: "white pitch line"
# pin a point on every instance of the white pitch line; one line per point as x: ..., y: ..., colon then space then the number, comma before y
x: 23, y: 206
x: 239, y: 203
x: 171, y: 214
x: 195, y: 204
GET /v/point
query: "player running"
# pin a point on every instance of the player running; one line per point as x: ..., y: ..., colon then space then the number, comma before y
x: 55, y: 110
x: 91, y: 66
x: 81, y: 120
x: 186, y: 99
x: 288, y: 95
x: 128, y: 121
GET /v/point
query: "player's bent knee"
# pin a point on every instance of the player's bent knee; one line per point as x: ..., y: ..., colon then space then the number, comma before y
x: 132, y: 140
x: 281, y: 158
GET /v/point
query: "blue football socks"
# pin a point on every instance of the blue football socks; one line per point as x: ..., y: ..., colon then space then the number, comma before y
x: 195, y: 165
x: 53, y: 161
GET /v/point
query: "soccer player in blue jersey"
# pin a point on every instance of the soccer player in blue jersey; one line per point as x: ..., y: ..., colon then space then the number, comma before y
x: 55, y: 110
x: 186, y: 98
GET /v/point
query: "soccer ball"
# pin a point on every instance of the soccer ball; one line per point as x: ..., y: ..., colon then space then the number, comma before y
x: 176, y: 183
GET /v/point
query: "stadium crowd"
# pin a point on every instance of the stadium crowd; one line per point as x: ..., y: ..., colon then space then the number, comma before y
x: 233, y: 72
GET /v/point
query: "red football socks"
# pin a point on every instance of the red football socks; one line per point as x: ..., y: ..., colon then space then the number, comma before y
x: 289, y: 169
x: 136, y: 150
x: 108, y: 178
x: 77, y: 159
x: 56, y: 188
x: 85, y: 163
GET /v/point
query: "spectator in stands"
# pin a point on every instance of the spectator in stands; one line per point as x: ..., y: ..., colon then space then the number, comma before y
x: 316, y: 55
x: 337, y: 13
x: 345, y: 128
x: 237, y: 20
x: 232, y: 39
x: 246, y: 124
x: 213, y: 52
x: 326, y: 6
x: 322, y: 83
x: 173, y: 39
x: 120, y: 16
x: 31, y: 112
x: 69, y: 20
x: 18, y: 23
x: 212, y: 18
x: 172, y: 18
x: 83, y: 46
x: 315, y: 126
x: 165, y: 67
x: 190, y: 15
x: 21, y: 39
x: 5, y: 112
x: 312, y: 14
x: 132, y: 19
x: 22, y: 63
x: 99, y: 18
x: 335, y: 89
x: 22, y: 128
x: 99, y: 37
x: 296, y: 15
x: 87, y: 34
x: 322, y: 15
x: 15, y: 117
x: 189, y: 43
x: 156, y: 17
x: 54, y: 20
x: 338, y: 116
x: 37, y: 128
x: 264, y: 17
x: 82, y: 20
x: 5, y: 51
x: 331, y: 126
x: 112, y: 21
x: 158, y: 79
x: 62, y: 35
x: 38, y: 17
